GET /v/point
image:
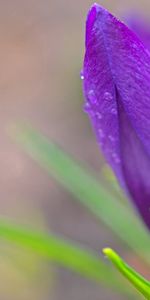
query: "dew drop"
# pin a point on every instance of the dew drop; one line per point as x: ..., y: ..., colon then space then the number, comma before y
x: 98, y: 115
x: 82, y: 75
x: 87, y: 107
x: 114, y: 111
x: 134, y: 46
x: 108, y: 96
x: 116, y: 158
x: 91, y: 92
x: 91, y: 96
x: 111, y: 138
x: 101, y: 133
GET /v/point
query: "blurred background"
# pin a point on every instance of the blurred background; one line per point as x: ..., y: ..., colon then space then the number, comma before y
x: 41, y: 53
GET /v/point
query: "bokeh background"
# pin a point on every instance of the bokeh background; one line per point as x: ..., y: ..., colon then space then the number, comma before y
x: 41, y: 52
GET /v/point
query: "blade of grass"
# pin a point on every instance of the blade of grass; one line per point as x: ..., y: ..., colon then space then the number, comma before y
x: 62, y: 252
x: 85, y: 188
x: 138, y: 281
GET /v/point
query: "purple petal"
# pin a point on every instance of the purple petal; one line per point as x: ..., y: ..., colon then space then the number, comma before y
x: 117, y: 91
x: 141, y: 27
x: 135, y: 164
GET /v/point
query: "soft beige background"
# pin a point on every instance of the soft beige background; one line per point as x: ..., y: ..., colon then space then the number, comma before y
x: 41, y: 51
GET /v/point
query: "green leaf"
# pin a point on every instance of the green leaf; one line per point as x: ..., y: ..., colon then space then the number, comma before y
x: 139, y: 282
x: 62, y: 252
x: 91, y: 193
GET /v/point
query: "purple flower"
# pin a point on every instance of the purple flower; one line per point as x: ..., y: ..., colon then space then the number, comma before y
x: 141, y: 27
x: 116, y: 81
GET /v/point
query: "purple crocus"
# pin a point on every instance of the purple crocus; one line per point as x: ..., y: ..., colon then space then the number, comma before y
x: 141, y: 27
x: 116, y: 81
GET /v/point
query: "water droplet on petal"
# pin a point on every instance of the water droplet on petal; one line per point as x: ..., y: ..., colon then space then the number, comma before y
x: 114, y: 111
x: 91, y: 96
x: 98, y: 115
x: 134, y: 46
x: 111, y: 138
x: 81, y: 75
x: 101, y: 133
x: 108, y: 96
x: 116, y: 158
x: 87, y: 107
x: 91, y: 92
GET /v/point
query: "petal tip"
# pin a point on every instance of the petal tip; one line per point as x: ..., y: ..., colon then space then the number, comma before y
x: 94, y: 11
x: 91, y: 18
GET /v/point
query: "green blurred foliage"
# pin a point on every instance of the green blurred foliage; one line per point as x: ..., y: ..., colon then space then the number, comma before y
x: 91, y: 193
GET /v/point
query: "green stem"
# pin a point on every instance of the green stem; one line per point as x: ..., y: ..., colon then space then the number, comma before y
x: 138, y: 281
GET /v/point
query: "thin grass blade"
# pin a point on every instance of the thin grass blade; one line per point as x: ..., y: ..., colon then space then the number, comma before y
x: 62, y: 252
x: 91, y: 193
